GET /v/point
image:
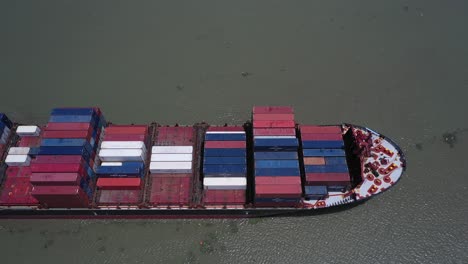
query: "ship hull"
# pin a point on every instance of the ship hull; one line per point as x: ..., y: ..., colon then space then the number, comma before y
x: 168, y: 213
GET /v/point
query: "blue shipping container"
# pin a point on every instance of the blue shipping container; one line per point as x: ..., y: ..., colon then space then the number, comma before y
x: 335, y: 161
x: 276, y: 164
x: 324, y: 153
x: 315, y: 190
x: 326, y: 168
x: 225, y: 152
x: 275, y: 144
x: 5, y: 120
x: 225, y: 170
x: 224, y: 160
x: 65, y: 151
x: 33, y: 151
x: 277, y: 172
x: 102, y: 122
x: 63, y: 142
x: 333, y: 144
x: 274, y: 155
x: 89, y: 171
x: 225, y: 137
x: 72, y: 111
x: 129, y: 170
x: 134, y: 164
x: 84, y: 184
x: 72, y: 119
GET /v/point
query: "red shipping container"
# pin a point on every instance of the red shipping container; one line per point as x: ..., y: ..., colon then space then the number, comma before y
x: 278, y: 180
x: 134, y: 137
x: 59, y: 167
x: 29, y: 142
x: 226, y: 128
x: 60, y: 196
x: 321, y: 129
x: 277, y: 117
x: 119, y: 197
x: 127, y: 130
x: 280, y: 191
x: 68, y: 126
x: 119, y: 183
x: 274, y: 132
x: 224, y: 144
x: 332, y: 179
x: 273, y: 124
x: 314, y: 161
x: 57, y: 179
x: 68, y: 134
x: 57, y: 159
x: 17, y: 191
x: 321, y: 136
x: 175, y: 136
x: 273, y: 110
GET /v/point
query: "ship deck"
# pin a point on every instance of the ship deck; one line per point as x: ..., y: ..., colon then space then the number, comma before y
x: 375, y: 163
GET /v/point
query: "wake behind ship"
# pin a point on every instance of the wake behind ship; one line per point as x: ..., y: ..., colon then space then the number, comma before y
x: 80, y: 166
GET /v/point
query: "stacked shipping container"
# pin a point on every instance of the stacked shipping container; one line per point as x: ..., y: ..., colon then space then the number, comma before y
x: 16, y: 188
x: 122, y: 153
x: 5, y: 132
x: 171, y: 166
x: 225, y: 166
x: 324, y: 160
x: 277, y: 174
x: 62, y: 172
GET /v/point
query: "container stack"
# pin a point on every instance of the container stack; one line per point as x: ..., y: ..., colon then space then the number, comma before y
x: 16, y: 188
x: 324, y: 160
x: 5, y: 132
x: 225, y: 166
x: 62, y: 172
x: 122, y: 153
x: 171, y: 166
x: 277, y: 174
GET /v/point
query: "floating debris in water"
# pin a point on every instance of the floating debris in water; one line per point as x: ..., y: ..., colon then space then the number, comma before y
x: 419, y: 146
x: 246, y: 74
x: 450, y: 138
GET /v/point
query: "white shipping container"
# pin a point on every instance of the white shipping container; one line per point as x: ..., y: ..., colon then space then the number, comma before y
x: 123, y: 145
x: 28, y: 131
x: 225, y: 183
x: 18, y: 151
x: 225, y: 132
x: 111, y: 164
x: 18, y: 160
x: 172, y: 149
x: 121, y: 155
x: 171, y: 167
x: 171, y: 157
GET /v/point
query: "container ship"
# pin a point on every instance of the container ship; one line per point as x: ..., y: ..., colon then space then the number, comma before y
x: 80, y: 166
